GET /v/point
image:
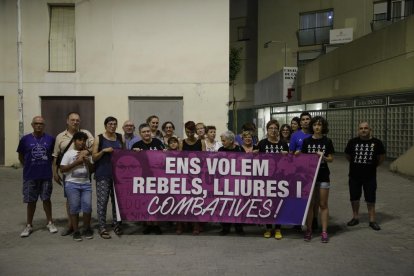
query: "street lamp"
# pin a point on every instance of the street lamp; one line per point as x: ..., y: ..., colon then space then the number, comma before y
x: 266, y: 45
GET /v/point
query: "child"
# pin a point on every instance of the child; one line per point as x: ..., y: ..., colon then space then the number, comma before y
x: 173, y: 143
x: 78, y: 188
x: 320, y: 144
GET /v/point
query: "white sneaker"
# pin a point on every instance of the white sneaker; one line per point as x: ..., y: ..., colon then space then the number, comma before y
x: 52, y: 228
x: 27, y: 231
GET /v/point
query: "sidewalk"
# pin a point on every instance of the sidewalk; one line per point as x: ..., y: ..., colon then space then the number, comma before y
x: 354, y: 250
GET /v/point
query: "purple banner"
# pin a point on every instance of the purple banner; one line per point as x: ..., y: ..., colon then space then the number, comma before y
x: 213, y: 187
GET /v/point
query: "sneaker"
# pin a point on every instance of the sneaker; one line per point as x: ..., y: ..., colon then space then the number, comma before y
x: 324, y: 237
x: 77, y: 236
x: 27, y: 231
x: 308, y: 236
x: 278, y: 234
x: 267, y: 234
x: 88, y: 233
x: 52, y: 228
x: 353, y: 222
x: 374, y: 226
x: 66, y: 232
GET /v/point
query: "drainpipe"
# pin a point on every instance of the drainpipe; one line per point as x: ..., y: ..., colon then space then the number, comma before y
x: 19, y: 72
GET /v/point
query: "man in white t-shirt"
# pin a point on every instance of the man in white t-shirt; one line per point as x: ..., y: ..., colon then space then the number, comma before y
x: 78, y: 186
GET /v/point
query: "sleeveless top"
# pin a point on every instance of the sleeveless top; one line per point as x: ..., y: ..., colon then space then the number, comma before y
x: 103, y: 165
x: 214, y: 147
x: 195, y: 147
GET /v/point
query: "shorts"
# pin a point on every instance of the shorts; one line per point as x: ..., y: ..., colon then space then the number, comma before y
x: 322, y: 185
x: 33, y: 189
x: 369, y: 186
x: 79, y: 197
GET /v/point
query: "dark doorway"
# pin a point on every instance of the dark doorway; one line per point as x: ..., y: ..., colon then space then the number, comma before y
x: 2, y: 153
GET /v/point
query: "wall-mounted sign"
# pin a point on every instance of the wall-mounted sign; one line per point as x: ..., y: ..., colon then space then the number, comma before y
x: 401, y: 99
x: 339, y: 36
x: 372, y: 101
x: 341, y: 104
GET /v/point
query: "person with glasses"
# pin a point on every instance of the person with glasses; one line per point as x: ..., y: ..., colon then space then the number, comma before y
x: 64, y: 143
x: 35, y: 154
x: 129, y: 137
x: 285, y: 133
x: 103, y: 147
x: 168, y: 128
x: 272, y: 144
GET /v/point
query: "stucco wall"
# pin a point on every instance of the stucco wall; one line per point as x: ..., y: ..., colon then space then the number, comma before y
x: 380, y: 62
x: 279, y: 20
x: 123, y: 49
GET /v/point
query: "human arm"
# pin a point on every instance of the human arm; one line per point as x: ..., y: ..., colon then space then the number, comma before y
x: 21, y: 158
x: 96, y: 154
x: 381, y: 159
x: 65, y: 166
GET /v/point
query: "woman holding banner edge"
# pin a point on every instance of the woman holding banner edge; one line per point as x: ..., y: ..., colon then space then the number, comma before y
x: 320, y: 144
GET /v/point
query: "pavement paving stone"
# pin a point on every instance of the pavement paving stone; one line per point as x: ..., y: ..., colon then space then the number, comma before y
x: 354, y: 250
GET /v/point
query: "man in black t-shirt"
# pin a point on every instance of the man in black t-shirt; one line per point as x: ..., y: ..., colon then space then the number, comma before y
x: 148, y: 143
x: 364, y: 153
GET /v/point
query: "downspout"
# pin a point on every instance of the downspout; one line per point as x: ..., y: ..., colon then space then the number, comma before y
x: 19, y: 72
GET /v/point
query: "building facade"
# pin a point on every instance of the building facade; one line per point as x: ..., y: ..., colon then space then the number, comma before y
x: 127, y: 59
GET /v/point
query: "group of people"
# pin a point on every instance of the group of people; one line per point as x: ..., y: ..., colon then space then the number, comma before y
x: 71, y: 157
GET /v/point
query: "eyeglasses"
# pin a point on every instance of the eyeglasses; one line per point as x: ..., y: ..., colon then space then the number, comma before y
x: 39, y: 124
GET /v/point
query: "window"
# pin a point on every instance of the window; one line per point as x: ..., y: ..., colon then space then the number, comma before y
x: 62, y: 39
x: 399, y: 10
x: 314, y: 27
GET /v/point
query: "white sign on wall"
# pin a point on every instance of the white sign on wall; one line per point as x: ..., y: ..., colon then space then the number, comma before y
x: 289, y: 83
x: 339, y: 36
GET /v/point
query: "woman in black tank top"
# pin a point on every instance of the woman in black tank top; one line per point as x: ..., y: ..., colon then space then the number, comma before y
x: 191, y: 143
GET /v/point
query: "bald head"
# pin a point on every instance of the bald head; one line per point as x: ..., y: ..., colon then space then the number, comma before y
x: 364, y: 130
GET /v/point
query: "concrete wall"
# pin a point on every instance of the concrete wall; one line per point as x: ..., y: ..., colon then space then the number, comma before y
x: 123, y: 49
x: 279, y: 20
x: 405, y: 163
x: 380, y: 62
x: 243, y: 13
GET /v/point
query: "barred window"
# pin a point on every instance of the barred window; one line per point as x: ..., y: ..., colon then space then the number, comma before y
x: 62, y: 39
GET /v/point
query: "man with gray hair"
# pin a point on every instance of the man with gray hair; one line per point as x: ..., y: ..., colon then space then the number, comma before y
x: 35, y: 154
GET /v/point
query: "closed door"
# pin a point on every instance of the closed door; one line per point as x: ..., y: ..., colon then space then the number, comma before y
x: 2, y: 153
x: 56, y: 109
x: 166, y: 108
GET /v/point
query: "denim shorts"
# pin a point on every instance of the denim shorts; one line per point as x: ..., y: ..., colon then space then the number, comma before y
x: 323, y: 185
x: 33, y: 189
x: 79, y: 197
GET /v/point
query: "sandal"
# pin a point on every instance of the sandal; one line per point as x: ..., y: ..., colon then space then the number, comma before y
x: 118, y: 230
x: 104, y: 234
